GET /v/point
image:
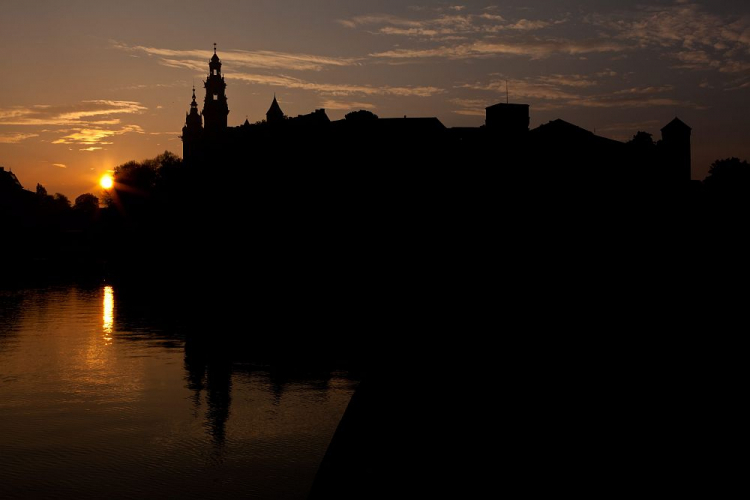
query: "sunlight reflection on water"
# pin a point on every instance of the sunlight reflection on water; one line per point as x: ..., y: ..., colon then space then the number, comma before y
x: 109, y: 313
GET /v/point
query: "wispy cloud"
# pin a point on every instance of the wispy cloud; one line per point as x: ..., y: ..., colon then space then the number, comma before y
x: 613, y: 102
x: 579, y: 81
x: 15, y: 138
x: 685, y: 31
x: 101, y: 112
x: 551, y: 93
x: 646, y: 90
x: 528, y: 89
x: 335, y: 88
x: 682, y: 30
x: 59, y: 165
x: 88, y: 123
x: 259, y: 59
x: 631, y: 126
x: 196, y: 60
x: 92, y: 136
x: 440, y: 24
x: 346, y: 105
x: 745, y: 85
x: 470, y: 107
x: 535, y: 48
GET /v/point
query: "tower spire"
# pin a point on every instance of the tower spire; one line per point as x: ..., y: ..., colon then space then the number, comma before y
x: 215, y: 108
x: 274, y: 114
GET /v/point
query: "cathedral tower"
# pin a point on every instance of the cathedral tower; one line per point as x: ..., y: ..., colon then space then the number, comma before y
x: 192, y: 132
x: 215, y: 108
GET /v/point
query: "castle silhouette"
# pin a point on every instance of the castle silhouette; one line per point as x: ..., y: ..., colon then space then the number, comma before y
x: 503, y: 141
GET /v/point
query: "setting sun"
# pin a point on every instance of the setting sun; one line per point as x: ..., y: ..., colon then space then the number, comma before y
x: 106, y: 182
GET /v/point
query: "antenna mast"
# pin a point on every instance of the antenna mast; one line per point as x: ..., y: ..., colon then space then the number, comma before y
x: 507, y: 93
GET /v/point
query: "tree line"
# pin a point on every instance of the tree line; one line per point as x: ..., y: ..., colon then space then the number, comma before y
x: 162, y: 211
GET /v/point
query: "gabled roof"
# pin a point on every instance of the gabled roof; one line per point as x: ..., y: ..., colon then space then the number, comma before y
x: 560, y: 130
x: 676, y: 124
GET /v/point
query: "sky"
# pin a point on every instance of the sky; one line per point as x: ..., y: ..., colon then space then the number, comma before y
x: 89, y: 85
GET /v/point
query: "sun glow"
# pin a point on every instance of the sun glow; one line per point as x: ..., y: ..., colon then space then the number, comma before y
x: 106, y: 181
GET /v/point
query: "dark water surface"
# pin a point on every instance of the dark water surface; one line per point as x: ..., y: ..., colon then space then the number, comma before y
x: 97, y: 400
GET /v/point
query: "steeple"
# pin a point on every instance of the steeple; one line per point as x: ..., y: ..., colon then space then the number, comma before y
x: 193, y: 119
x: 215, y: 107
x: 274, y: 113
x: 193, y: 105
x: 215, y: 60
x: 192, y: 132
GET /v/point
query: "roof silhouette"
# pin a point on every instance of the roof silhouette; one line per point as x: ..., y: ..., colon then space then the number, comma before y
x: 562, y: 127
x: 561, y: 132
x: 275, y: 109
x: 505, y: 134
x: 411, y: 124
x: 507, y: 105
x: 8, y: 180
x: 676, y: 124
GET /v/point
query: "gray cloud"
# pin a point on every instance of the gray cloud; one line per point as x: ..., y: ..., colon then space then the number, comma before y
x: 551, y: 93
x: 685, y: 31
x: 441, y: 24
x: 532, y: 47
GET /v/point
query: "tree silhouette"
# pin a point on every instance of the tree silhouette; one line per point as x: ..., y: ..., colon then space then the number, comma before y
x: 642, y: 141
x: 86, y: 204
x: 61, y: 202
x: 361, y: 116
x: 140, y: 177
x: 168, y: 167
x: 726, y: 187
x: 730, y: 173
x: 139, y: 181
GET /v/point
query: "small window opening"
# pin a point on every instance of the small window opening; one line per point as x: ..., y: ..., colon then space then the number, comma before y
x: 216, y: 97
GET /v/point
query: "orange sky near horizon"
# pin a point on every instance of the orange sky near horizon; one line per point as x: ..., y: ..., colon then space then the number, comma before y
x: 91, y: 85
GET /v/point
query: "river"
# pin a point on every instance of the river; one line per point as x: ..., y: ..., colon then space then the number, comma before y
x: 103, y: 395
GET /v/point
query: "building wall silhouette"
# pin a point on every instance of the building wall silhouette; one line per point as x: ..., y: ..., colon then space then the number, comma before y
x: 555, y: 151
x: 676, y: 148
